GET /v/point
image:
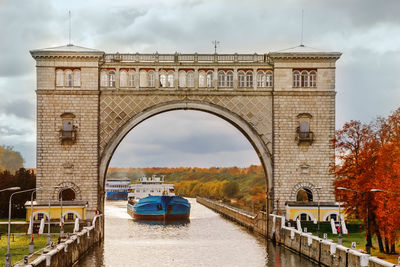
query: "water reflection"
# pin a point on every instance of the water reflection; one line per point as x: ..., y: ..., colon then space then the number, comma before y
x: 207, y: 240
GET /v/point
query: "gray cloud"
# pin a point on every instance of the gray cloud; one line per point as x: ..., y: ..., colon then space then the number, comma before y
x: 366, y: 31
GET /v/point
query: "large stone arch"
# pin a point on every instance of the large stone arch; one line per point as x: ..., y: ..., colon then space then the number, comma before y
x: 243, y: 126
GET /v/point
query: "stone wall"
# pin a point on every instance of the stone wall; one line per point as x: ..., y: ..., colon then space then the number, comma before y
x: 321, y: 251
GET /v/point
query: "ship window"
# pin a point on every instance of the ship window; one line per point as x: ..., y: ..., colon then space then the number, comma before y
x: 159, y: 207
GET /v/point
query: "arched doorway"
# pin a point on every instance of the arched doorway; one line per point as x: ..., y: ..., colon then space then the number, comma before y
x: 67, y: 194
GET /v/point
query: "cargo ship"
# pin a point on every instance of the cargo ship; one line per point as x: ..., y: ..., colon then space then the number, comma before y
x: 152, y: 200
x: 160, y: 208
x: 117, y: 189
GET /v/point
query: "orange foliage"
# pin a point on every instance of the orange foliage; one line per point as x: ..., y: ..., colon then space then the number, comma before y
x: 368, y: 157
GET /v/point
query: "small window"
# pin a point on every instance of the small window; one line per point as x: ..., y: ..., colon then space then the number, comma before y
x: 170, y: 80
x: 209, y: 79
x: 59, y: 78
x: 229, y: 79
x: 296, y: 79
x: 40, y: 216
x: 241, y: 78
x: 249, y: 79
x: 123, y: 79
x: 190, y: 79
x: 143, y: 78
x: 269, y: 81
x: 163, y: 80
x: 201, y: 79
x: 313, y: 79
x: 70, y: 217
x: 77, y: 78
x: 131, y: 81
x: 260, y: 79
x: 68, y: 78
x: 304, y: 79
x: 182, y: 79
x: 111, y: 78
x: 221, y: 79
x: 151, y: 78
x: 103, y: 79
x: 305, y: 217
x: 304, y: 126
x: 332, y: 216
x: 67, y: 125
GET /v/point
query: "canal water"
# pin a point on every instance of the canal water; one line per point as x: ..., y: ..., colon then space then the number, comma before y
x: 207, y: 240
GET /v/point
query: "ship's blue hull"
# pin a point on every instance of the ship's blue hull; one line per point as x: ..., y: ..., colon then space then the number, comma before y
x: 160, y: 208
x: 116, y: 195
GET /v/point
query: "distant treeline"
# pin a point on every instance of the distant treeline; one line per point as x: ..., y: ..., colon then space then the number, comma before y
x: 26, y: 179
x: 244, y: 186
x: 10, y: 160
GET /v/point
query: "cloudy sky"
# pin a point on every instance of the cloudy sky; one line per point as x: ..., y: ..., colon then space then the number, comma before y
x: 366, y: 32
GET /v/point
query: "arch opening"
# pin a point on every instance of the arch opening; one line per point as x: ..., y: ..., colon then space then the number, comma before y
x: 239, y: 123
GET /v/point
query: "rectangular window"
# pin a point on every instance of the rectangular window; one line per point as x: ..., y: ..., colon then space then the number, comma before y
x: 40, y: 216
x: 70, y: 216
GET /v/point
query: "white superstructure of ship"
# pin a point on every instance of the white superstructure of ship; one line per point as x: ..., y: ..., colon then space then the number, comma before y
x: 150, y: 186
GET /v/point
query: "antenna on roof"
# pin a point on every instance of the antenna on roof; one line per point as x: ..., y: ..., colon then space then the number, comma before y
x: 69, y: 36
x: 302, y: 19
x: 215, y: 43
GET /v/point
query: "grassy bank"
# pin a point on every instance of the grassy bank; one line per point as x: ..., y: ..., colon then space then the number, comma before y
x: 19, y: 247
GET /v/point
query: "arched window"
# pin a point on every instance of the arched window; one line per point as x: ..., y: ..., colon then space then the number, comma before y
x: 249, y: 79
x: 303, y: 217
x: 67, y: 194
x: 151, y: 78
x: 209, y: 79
x: 304, y: 195
x: 123, y: 79
x: 182, y: 79
x: 229, y: 79
x: 260, y: 79
x: 170, y: 80
x: 241, y: 79
x: 269, y: 80
x: 333, y: 216
x: 313, y: 79
x: 190, y: 79
x: 304, y: 78
x: 202, y: 79
x: 296, y: 79
x: 59, y: 78
x: 68, y: 78
x: 163, y: 80
x: 221, y: 79
x: 143, y: 78
x: 111, y: 78
x: 131, y: 79
x: 103, y: 79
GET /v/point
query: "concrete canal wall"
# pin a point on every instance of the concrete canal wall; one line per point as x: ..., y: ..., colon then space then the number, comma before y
x: 71, y: 250
x: 321, y: 251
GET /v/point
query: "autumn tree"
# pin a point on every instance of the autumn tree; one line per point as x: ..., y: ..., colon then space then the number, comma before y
x: 9, y: 159
x: 366, y: 158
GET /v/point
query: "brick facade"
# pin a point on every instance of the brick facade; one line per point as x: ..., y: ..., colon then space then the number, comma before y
x: 101, y: 115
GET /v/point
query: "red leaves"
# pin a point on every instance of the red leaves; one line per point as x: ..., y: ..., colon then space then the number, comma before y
x: 368, y: 157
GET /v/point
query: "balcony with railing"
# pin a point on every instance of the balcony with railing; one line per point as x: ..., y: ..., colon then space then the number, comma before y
x: 67, y: 137
x: 187, y: 58
x: 304, y: 137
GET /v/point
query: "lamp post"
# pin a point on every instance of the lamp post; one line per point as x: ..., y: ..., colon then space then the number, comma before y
x: 8, y: 256
x: 368, y: 245
x: 340, y: 240
x: 15, y: 188
x: 32, y: 244
x: 318, y: 188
